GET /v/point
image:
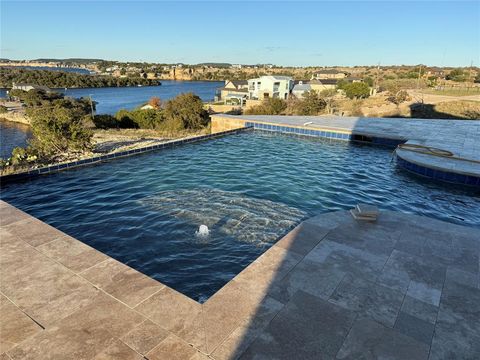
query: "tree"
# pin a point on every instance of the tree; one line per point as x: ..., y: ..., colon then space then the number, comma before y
x: 147, y: 119
x: 155, y: 102
x: 369, y: 81
x: 58, y: 128
x: 357, y: 90
x: 311, y: 104
x: 105, y: 121
x: 186, y: 111
x: 341, y: 84
x: 458, y: 75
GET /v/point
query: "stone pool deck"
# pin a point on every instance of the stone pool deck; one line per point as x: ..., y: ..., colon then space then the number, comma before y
x: 404, y: 287
x: 460, y: 137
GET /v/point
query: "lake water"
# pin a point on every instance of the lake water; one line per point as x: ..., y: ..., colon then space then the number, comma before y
x: 110, y: 100
x: 12, y: 135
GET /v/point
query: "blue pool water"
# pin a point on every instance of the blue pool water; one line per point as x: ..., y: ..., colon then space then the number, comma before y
x: 249, y: 188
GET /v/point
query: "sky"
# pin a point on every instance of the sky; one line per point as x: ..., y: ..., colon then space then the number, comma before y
x: 314, y: 33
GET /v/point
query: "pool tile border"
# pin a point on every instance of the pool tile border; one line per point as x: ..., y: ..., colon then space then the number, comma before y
x: 324, y: 133
x: 436, y: 174
x: 342, y: 135
x: 98, y: 159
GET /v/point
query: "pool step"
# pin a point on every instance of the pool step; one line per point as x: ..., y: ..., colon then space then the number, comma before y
x: 365, y: 212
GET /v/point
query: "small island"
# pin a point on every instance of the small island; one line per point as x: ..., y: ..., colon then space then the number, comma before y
x: 62, y: 79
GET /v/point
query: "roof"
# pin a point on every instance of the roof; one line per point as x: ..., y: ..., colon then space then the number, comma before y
x: 329, y: 71
x: 234, y: 90
x: 301, y: 81
x: 273, y: 77
x: 302, y: 87
x: 236, y: 96
x: 324, y: 81
x: 239, y: 82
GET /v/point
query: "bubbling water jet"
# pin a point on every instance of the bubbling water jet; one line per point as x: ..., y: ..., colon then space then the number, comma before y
x: 202, y: 231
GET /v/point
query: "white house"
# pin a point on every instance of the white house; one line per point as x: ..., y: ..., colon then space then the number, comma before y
x: 270, y: 86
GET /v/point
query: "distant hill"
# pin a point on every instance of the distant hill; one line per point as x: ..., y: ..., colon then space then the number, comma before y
x: 218, y: 65
x: 74, y: 60
x: 70, y: 60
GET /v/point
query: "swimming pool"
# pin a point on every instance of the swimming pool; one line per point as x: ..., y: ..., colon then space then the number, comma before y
x: 249, y: 188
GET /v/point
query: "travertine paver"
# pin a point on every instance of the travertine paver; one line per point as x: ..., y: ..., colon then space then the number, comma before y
x: 145, y: 337
x: 72, y: 253
x: 404, y: 287
x: 457, y: 136
x: 370, y: 340
x: 15, y: 327
x: 122, y: 282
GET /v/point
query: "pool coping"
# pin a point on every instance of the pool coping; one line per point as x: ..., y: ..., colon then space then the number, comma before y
x: 100, y: 286
x: 115, y: 155
x: 447, y: 170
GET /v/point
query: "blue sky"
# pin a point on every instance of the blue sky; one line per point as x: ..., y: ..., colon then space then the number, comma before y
x: 323, y: 33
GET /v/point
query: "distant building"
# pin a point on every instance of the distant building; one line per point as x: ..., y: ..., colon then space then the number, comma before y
x: 300, y: 88
x: 328, y: 84
x: 233, y: 92
x: 329, y: 74
x: 323, y: 84
x: 274, y: 86
x: 28, y: 87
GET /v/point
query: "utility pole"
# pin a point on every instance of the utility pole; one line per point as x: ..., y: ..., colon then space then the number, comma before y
x: 91, y: 106
x: 471, y: 73
x: 418, y: 81
x: 375, y: 84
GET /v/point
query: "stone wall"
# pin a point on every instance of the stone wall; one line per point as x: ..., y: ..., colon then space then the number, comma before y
x: 221, y: 108
x: 221, y: 123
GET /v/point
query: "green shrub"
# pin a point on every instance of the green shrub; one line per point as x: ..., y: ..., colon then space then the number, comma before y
x: 3, y: 109
x: 57, y: 128
x: 139, y: 119
x: 186, y: 112
x: 269, y: 106
x: 125, y: 119
x: 105, y: 121
x: 147, y: 119
x: 356, y: 90
x: 22, y: 156
x: 458, y: 75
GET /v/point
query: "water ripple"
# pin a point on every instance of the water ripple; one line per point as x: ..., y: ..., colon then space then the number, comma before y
x: 249, y: 189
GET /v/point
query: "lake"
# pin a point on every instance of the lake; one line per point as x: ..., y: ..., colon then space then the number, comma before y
x: 12, y: 134
x: 110, y: 100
